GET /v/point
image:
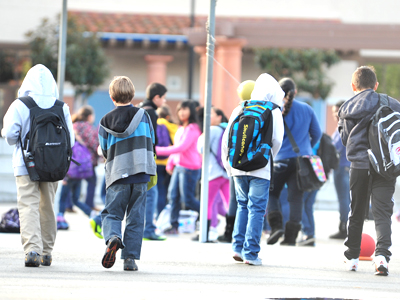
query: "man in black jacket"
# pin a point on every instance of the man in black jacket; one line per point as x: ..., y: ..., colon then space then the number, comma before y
x: 155, y: 98
x: 355, y: 115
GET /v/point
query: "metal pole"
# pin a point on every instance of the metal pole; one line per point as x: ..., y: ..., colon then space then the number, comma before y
x: 206, y: 130
x: 191, y: 54
x: 62, y: 50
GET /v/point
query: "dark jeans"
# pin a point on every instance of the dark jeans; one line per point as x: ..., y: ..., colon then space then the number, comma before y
x: 342, y: 186
x: 285, y: 173
x: 73, y: 186
x: 182, y: 188
x: 162, y: 186
x: 91, y: 187
x: 382, y: 207
x: 129, y: 200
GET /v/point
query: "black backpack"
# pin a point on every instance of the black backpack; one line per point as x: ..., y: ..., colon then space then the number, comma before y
x: 384, y: 140
x: 48, y: 154
x: 328, y: 154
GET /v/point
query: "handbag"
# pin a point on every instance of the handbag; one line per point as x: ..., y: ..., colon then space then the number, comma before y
x: 310, y: 173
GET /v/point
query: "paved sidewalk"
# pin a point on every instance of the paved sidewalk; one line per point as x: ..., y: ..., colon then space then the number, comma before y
x: 181, y: 269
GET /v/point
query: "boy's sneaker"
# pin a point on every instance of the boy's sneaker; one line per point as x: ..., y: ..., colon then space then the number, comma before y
x: 155, y: 237
x: 237, y: 256
x: 351, y: 264
x: 255, y: 262
x: 381, y: 266
x: 171, y: 231
x: 46, y: 260
x: 130, y: 265
x: 32, y: 259
x: 113, y: 245
x: 61, y: 223
x: 96, y: 228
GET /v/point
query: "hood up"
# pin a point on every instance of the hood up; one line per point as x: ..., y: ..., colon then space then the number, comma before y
x: 39, y: 83
x: 268, y: 89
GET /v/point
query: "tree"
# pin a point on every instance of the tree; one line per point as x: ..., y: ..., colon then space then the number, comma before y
x: 388, y: 77
x: 306, y: 67
x: 86, y: 63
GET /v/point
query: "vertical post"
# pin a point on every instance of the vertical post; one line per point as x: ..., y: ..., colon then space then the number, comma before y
x: 206, y: 129
x: 191, y: 54
x: 62, y: 50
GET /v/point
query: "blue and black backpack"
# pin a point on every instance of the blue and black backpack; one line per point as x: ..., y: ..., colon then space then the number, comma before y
x: 250, y: 136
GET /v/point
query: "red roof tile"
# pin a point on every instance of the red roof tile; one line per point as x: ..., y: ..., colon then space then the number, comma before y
x: 159, y: 24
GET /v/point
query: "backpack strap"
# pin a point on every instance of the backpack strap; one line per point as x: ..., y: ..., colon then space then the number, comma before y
x: 383, y: 100
x: 28, y: 101
x: 59, y: 103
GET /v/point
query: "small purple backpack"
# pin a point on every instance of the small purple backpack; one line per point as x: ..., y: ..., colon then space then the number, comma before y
x: 82, y: 155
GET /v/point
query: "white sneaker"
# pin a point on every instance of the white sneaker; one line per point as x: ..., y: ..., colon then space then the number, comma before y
x: 255, y: 262
x: 213, y: 234
x: 381, y: 266
x: 237, y: 256
x: 351, y: 264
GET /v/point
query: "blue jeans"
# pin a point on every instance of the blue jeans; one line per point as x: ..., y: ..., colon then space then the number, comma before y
x: 129, y: 199
x: 341, y: 179
x: 252, y: 198
x: 91, y: 187
x: 308, y: 213
x: 73, y: 186
x: 182, y: 188
x: 162, y: 186
x: 232, y: 198
x: 151, y: 202
x: 285, y: 173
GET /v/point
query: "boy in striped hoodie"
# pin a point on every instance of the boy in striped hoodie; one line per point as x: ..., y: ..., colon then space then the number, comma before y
x: 127, y: 141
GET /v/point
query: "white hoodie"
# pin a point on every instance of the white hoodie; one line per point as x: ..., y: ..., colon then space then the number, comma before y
x: 266, y: 88
x: 41, y: 86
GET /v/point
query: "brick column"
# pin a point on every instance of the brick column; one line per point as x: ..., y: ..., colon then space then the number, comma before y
x: 229, y: 54
x: 201, y: 50
x: 157, y: 68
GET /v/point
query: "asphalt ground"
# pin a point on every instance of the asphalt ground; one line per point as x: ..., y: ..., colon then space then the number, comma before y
x: 179, y: 268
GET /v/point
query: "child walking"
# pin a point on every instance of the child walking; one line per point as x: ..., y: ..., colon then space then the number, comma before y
x: 127, y: 141
x: 252, y: 187
x: 184, y: 164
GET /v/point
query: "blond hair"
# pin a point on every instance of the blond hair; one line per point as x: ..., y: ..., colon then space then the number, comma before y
x: 121, y: 89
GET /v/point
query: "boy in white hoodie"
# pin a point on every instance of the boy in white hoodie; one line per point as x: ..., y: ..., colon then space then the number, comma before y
x: 35, y: 198
x: 252, y: 188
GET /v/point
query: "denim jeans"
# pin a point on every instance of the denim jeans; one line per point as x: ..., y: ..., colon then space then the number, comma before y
x: 252, y: 198
x: 342, y: 185
x: 151, y: 202
x: 308, y: 213
x: 182, y: 188
x: 91, y: 186
x: 232, y: 198
x: 285, y: 172
x: 129, y: 200
x: 162, y: 186
x: 73, y: 186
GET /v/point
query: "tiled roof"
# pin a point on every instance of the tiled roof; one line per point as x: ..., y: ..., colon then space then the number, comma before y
x: 160, y: 24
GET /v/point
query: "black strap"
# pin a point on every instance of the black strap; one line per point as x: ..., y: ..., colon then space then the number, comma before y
x: 291, y: 139
x: 28, y: 101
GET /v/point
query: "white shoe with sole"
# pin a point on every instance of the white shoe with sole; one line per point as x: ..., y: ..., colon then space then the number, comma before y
x: 351, y: 264
x: 381, y: 266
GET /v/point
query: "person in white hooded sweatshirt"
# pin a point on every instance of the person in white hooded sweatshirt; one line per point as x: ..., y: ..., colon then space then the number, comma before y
x: 252, y: 188
x: 35, y: 199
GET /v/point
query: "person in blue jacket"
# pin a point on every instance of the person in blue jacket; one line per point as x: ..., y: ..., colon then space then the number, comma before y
x: 304, y: 126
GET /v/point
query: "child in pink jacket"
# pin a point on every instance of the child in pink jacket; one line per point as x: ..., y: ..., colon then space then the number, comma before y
x: 184, y: 164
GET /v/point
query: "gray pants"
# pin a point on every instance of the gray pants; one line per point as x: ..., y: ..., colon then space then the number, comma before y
x: 382, y: 208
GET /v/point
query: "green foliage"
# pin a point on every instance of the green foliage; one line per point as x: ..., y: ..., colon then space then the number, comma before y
x: 86, y: 63
x: 6, y: 66
x: 388, y: 77
x: 306, y: 67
